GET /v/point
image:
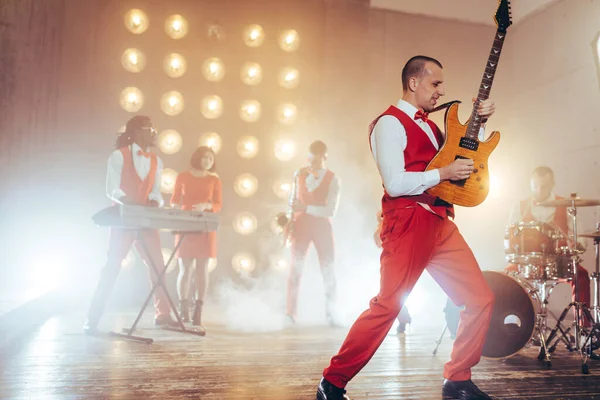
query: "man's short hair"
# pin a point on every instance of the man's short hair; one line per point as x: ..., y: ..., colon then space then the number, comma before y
x: 318, y: 148
x: 543, y: 171
x: 416, y: 67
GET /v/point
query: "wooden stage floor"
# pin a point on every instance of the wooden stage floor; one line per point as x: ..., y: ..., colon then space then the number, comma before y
x: 59, y: 362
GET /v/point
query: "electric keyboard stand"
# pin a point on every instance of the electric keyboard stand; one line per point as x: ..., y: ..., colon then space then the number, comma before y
x: 128, y: 332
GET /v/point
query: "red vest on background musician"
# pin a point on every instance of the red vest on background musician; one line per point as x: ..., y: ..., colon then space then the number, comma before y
x: 317, y: 197
x: 133, y: 186
x: 417, y: 155
x: 560, y: 215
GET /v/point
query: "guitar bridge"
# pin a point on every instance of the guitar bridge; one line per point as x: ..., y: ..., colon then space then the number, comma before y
x: 468, y: 143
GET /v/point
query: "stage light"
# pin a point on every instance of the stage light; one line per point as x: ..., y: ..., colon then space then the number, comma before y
x: 167, y: 180
x: 251, y: 73
x: 495, y: 186
x: 136, y: 21
x: 247, y: 147
x: 285, y: 149
x: 282, y: 188
x: 289, y: 78
x: 132, y: 99
x: 133, y: 60
x: 213, y: 69
x: 245, y: 185
x: 166, y: 254
x: 254, y: 35
x: 176, y: 26
x: 129, y: 260
x: 280, y: 263
x: 212, y: 106
x: 212, y: 140
x: 169, y: 141
x: 250, y: 111
x: 243, y: 262
x: 171, y: 103
x: 287, y: 113
x: 175, y: 65
x: 245, y: 223
x: 289, y: 40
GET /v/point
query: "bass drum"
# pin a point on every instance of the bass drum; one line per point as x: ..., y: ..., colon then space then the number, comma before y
x: 514, y: 315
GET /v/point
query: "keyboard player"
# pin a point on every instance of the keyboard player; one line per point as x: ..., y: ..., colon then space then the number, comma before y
x: 133, y: 177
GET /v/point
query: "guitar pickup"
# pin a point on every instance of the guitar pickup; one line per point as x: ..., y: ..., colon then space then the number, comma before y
x: 468, y: 143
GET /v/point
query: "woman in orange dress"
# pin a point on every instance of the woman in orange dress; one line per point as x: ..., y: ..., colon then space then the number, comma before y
x: 197, y: 189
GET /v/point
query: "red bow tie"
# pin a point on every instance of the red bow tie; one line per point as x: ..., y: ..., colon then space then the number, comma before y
x: 143, y: 153
x: 422, y: 115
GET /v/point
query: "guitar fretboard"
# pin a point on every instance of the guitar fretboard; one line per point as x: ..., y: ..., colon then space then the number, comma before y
x: 486, y: 85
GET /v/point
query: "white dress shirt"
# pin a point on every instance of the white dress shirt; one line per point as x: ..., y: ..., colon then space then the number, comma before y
x: 142, y: 168
x: 312, y: 183
x: 388, y: 142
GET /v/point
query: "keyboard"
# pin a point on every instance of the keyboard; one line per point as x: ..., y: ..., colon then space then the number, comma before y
x: 139, y: 217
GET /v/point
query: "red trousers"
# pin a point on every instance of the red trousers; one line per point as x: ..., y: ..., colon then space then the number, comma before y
x: 415, y: 239
x: 120, y: 243
x: 310, y: 229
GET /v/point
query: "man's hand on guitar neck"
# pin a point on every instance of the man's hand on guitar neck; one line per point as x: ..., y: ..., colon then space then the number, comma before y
x: 457, y: 170
x: 486, y: 108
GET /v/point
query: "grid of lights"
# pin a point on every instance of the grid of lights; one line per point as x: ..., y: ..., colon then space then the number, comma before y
x: 169, y: 141
x: 213, y: 69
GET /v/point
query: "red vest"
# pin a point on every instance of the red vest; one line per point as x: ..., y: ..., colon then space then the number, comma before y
x: 417, y: 155
x: 317, y: 197
x: 560, y: 215
x: 131, y: 184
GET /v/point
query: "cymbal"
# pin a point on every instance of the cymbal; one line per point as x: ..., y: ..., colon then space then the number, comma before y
x: 593, y: 235
x: 569, y: 203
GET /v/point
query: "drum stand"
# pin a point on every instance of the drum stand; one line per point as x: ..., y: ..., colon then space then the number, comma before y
x: 452, y: 319
x: 580, y: 308
x: 543, y: 292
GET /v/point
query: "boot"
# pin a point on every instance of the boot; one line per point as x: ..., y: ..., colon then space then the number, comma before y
x: 197, y: 318
x: 184, y: 310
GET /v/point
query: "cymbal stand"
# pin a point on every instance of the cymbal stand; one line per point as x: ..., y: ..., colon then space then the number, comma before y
x: 439, y: 340
x: 580, y: 308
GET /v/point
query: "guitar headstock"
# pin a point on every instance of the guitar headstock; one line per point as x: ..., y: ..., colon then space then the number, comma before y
x: 503, y: 16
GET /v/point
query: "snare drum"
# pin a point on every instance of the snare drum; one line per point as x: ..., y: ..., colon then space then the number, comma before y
x: 531, y: 243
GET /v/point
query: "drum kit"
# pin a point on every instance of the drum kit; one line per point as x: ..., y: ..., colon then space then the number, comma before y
x: 544, y: 257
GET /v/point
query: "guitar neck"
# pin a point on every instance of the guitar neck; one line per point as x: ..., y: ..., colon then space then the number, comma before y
x: 486, y: 84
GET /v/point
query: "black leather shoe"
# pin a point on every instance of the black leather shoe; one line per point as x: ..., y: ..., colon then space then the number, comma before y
x: 401, y: 328
x: 462, y: 390
x: 327, y: 391
x: 333, y: 322
x: 165, y: 320
x: 90, y: 329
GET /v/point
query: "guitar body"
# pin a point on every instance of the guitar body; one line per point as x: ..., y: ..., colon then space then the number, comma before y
x: 472, y: 191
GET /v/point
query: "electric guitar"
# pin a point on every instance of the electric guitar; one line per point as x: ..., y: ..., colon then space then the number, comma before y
x: 462, y: 140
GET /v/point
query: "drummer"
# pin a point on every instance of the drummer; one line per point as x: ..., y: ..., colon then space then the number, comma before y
x: 528, y: 210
